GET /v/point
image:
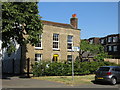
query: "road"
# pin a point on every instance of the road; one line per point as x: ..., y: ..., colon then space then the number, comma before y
x: 16, y: 82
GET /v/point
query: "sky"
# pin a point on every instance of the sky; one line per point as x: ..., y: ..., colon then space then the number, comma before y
x: 95, y: 19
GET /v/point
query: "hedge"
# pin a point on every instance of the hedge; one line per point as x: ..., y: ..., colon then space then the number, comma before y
x: 65, y: 69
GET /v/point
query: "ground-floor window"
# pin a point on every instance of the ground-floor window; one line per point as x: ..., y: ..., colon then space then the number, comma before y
x: 38, y: 57
x: 69, y: 57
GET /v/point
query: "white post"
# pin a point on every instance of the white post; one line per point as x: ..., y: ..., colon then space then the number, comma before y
x: 73, y: 67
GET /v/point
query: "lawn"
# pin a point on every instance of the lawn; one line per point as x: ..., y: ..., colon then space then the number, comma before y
x: 86, y: 79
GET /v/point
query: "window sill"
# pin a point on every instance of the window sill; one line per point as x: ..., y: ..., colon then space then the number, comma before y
x: 38, y: 48
x: 70, y: 50
x: 56, y: 49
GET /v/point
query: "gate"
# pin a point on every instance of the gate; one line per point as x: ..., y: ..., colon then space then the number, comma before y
x: 11, y: 66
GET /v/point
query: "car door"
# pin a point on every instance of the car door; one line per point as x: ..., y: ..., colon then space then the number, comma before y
x: 117, y: 70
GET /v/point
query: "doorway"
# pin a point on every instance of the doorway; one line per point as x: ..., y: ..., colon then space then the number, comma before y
x: 55, y: 58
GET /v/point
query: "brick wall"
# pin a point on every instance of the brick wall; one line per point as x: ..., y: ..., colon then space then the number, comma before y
x: 117, y: 61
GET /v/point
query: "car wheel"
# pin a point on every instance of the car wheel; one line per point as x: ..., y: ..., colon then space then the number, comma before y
x: 113, y: 81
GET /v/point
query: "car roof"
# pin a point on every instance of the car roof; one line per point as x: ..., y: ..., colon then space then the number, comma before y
x: 111, y: 66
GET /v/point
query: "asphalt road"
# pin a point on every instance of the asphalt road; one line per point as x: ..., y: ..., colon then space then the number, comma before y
x: 16, y: 82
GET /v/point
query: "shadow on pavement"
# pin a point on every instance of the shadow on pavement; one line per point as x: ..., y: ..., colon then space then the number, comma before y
x: 9, y: 76
x: 100, y: 83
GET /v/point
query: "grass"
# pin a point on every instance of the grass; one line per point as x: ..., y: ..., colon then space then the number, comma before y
x: 86, y: 79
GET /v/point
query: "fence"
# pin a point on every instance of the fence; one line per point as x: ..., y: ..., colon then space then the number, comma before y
x: 12, y: 66
x: 116, y: 61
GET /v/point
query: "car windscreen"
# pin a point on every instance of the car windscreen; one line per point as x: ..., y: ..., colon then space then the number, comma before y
x: 103, y: 69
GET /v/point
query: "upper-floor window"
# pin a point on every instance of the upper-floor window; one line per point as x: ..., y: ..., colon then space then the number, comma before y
x: 91, y: 41
x: 109, y: 48
x: 115, y: 39
x: 39, y: 45
x: 109, y: 39
x: 38, y: 57
x: 102, y: 41
x: 55, y: 41
x: 69, y: 42
x: 115, y: 48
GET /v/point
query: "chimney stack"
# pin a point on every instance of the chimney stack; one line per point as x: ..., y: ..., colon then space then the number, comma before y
x: 74, y: 21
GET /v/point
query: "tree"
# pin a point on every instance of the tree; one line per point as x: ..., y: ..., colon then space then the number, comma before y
x: 95, y: 50
x: 20, y: 19
x: 20, y: 24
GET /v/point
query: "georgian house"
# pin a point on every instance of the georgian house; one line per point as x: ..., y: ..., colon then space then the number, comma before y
x: 57, y: 42
x: 56, y: 45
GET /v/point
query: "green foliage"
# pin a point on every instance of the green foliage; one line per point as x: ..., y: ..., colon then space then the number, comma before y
x: 20, y: 19
x: 94, y: 49
x: 65, y: 69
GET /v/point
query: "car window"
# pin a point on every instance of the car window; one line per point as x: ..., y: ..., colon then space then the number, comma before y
x: 103, y: 69
x: 116, y: 69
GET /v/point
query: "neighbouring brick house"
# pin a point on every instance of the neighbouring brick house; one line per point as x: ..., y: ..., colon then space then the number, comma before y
x: 111, y: 44
x: 94, y: 40
x: 56, y: 43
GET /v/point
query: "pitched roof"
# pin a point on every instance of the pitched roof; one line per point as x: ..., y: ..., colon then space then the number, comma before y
x: 57, y: 24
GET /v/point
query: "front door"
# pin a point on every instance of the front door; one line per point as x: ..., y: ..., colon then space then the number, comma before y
x: 55, y: 57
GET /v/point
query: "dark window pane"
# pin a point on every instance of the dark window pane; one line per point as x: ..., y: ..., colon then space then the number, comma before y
x: 69, y: 46
x: 104, y: 69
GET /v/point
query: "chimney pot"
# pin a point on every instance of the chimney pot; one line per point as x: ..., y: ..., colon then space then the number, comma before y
x: 74, y: 15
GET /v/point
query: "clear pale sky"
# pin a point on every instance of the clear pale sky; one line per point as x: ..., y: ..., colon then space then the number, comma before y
x: 95, y: 19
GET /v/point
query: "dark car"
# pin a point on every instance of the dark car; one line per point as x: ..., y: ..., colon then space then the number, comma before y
x: 108, y: 73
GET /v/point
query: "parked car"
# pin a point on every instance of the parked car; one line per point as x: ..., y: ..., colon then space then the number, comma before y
x: 108, y: 73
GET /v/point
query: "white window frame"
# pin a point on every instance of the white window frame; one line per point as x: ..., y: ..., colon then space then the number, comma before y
x: 115, y: 48
x: 37, y: 47
x: 109, y: 48
x: 69, y: 42
x: 102, y: 41
x: 56, y: 41
x: 109, y: 39
x: 91, y: 41
x: 115, y: 38
x: 38, y: 58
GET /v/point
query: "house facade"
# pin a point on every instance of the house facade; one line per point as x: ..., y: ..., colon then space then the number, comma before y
x: 111, y: 44
x: 57, y: 42
x: 94, y: 40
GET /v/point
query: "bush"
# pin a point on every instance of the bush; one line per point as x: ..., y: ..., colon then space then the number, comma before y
x: 64, y: 69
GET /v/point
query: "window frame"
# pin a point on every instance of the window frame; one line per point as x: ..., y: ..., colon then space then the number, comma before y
x: 68, y: 59
x: 37, y: 47
x: 115, y: 38
x: 70, y: 42
x: 115, y: 48
x: 109, y: 48
x: 55, y: 41
x: 109, y: 39
x: 36, y: 58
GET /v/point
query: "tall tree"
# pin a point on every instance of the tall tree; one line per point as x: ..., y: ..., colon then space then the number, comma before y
x: 20, y: 24
x: 20, y: 19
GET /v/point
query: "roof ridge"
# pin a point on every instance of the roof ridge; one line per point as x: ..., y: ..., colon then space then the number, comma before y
x: 57, y: 24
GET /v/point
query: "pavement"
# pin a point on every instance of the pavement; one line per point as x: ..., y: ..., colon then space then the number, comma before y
x: 17, y: 82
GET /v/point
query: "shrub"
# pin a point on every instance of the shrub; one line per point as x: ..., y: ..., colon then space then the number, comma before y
x: 64, y: 69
